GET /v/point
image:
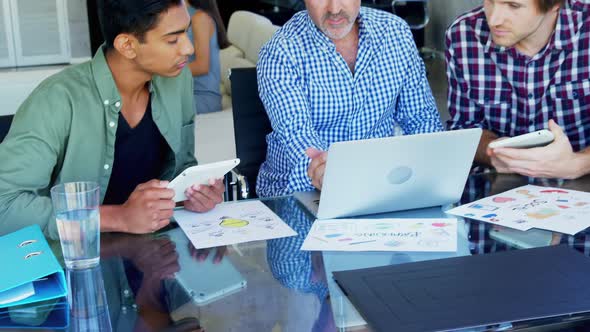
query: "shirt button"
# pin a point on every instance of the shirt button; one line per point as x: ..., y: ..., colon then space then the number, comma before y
x: 106, y: 102
x: 117, y: 104
x: 111, y: 124
x: 531, y: 95
x: 106, y: 166
x: 576, y: 95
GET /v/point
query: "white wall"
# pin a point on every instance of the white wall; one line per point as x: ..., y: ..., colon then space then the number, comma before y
x: 15, y: 86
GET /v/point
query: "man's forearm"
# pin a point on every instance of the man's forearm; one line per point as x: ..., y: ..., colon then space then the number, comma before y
x: 111, y: 219
x: 481, y: 156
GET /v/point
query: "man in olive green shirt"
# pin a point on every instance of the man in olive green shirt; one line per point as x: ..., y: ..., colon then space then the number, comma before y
x: 68, y: 128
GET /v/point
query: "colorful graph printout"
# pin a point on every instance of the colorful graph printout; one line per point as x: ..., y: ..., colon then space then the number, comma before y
x: 554, y: 209
x: 427, y: 235
x: 232, y: 223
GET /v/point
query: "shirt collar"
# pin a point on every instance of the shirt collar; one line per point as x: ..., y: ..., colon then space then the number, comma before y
x: 366, y: 29
x: 568, y: 28
x: 103, y: 78
x: 565, y: 37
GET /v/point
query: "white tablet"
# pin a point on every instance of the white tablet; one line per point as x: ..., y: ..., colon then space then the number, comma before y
x: 200, y: 174
x: 530, y: 140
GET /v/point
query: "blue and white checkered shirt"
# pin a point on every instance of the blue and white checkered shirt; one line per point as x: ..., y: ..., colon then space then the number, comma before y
x: 313, y: 99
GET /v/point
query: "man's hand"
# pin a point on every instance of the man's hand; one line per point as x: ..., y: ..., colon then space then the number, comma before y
x: 499, y: 165
x: 149, y: 208
x: 317, y: 167
x: 202, y: 198
x: 556, y: 160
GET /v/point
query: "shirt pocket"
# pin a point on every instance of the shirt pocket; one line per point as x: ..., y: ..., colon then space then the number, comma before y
x: 570, y: 103
x: 569, y: 98
x: 494, y: 108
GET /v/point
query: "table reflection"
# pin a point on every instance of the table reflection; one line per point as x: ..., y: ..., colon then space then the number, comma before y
x: 87, y: 300
x: 302, y: 271
x: 485, y: 182
x: 142, y: 293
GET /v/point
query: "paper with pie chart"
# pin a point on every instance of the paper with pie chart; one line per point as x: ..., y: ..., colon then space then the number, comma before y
x: 232, y: 223
x: 423, y: 235
x: 554, y: 209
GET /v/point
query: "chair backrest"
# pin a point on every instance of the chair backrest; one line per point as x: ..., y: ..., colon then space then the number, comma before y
x: 414, y: 12
x: 5, y: 121
x: 251, y: 124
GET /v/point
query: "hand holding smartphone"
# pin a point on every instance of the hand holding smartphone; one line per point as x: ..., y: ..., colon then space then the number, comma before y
x: 200, y: 175
x: 530, y: 140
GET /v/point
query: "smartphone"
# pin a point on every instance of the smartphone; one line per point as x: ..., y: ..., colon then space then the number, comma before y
x: 530, y: 140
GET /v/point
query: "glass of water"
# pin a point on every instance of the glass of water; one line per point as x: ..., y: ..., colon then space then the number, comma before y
x: 76, y: 207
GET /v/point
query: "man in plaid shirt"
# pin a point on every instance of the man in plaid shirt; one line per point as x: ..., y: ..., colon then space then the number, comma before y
x: 517, y: 66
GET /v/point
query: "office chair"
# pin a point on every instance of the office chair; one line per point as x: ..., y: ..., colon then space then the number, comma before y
x: 5, y: 121
x: 415, y: 12
x: 251, y: 126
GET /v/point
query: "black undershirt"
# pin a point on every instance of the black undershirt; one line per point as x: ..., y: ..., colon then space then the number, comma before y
x: 139, y: 157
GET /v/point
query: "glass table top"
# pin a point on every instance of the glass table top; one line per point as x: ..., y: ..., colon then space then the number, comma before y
x: 144, y: 283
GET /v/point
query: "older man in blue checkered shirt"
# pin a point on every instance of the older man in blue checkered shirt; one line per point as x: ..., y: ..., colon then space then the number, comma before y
x: 337, y: 72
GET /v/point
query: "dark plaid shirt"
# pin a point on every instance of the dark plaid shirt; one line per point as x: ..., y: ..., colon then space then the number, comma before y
x: 498, y: 89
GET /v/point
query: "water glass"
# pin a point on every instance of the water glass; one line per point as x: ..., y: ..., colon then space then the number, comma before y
x: 76, y: 207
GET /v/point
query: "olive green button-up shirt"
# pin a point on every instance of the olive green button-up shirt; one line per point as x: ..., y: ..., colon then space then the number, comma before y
x: 65, y: 131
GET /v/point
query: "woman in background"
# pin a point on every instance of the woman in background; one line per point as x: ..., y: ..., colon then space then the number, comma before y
x: 209, y: 36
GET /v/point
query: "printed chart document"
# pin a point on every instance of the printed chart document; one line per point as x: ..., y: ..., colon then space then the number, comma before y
x: 427, y: 235
x: 554, y: 209
x: 232, y: 223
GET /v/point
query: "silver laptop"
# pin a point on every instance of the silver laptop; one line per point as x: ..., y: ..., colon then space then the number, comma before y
x: 393, y: 174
